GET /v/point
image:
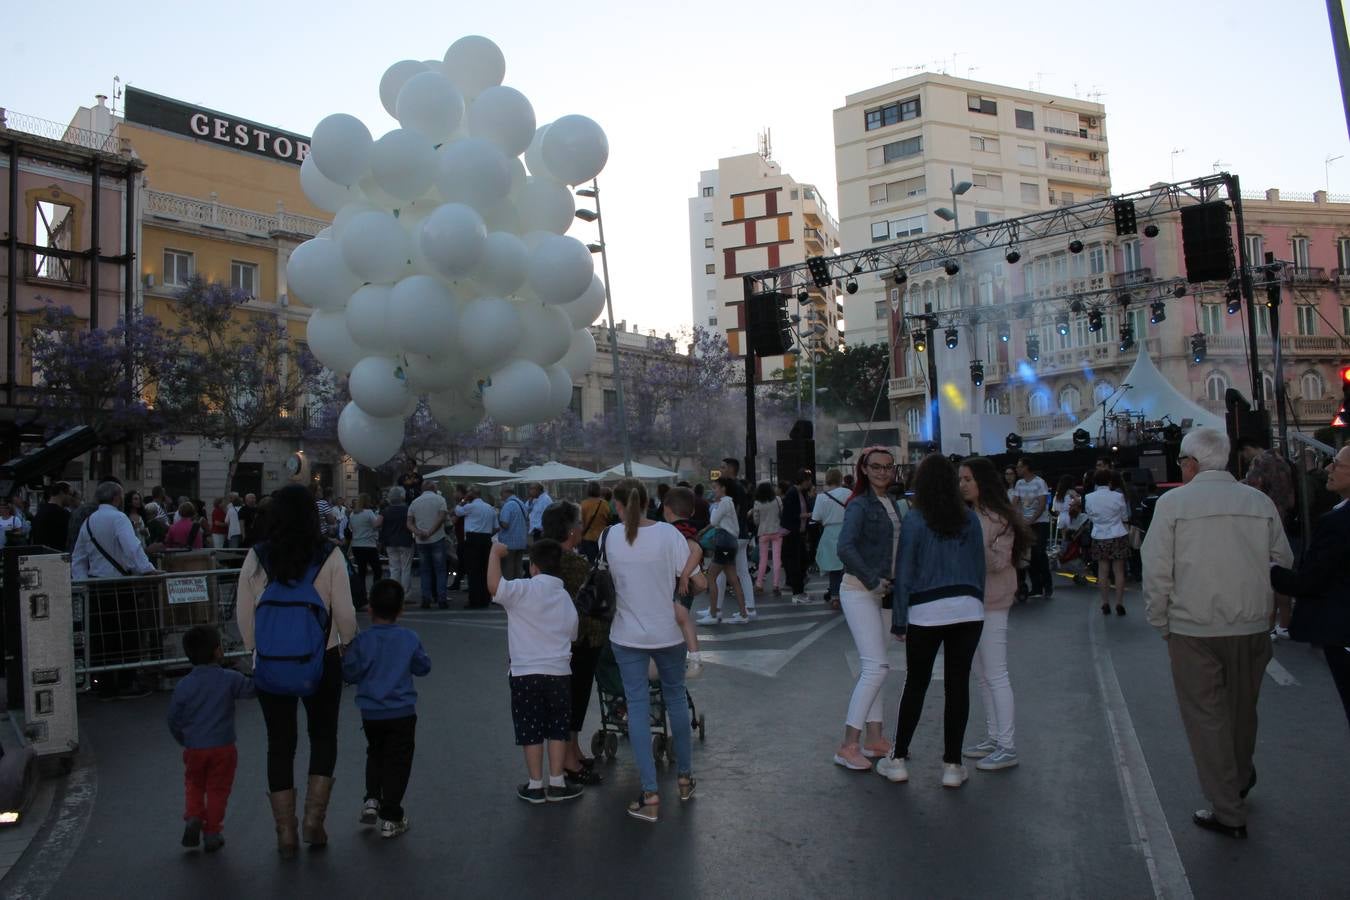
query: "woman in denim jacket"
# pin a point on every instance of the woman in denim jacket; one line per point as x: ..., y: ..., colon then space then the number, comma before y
x: 939, y: 600
x: 868, y: 544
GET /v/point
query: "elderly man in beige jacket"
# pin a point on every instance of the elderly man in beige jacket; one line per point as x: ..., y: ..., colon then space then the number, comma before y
x: 1207, y: 561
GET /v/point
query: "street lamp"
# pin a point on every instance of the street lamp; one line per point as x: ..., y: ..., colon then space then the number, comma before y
x: 814, y: 329
x: 949, y: 215
x: 586, y: 215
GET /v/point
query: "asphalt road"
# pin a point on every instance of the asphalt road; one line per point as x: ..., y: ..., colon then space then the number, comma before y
x: 1100, y: 806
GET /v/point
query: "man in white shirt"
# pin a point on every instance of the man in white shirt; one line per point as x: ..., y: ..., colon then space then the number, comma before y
x: 107, y: 546
x: 426, y: 521
x: 1207, y: 588
x: 539, y: 501
x: 480, y: 521
x: 234, y: 532
x: 1032, y: 501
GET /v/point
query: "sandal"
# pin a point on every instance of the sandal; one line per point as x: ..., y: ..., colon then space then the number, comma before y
x: 646, y: 807
x: 583, y: 776
x: 687, y: 784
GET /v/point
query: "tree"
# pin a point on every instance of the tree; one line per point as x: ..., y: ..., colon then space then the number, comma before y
x: 240, y: 373
x: 849, y: 381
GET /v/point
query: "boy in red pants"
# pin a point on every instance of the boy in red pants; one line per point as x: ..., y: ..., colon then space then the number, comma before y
x: 201, y: 718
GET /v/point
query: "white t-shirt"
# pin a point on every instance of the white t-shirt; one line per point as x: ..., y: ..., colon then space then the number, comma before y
x: 947, y: 611
x: 541, y: 623
x: 644, y: 574
x: 1028, y: 492
x: 425, y: 510
x: 829, y: 508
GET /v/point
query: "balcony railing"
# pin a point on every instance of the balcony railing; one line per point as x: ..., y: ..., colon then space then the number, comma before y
x: 57, y: 131
x: 1317, y: 412
x: 49, y: 267
x: 1097, y: 171
x: 1078, y: 133
x: 1046, y: 425
x: 1141, y: 275
x: 213, y: 214
x: 1341, y: 277
x: 905, y: 386
x: 1308, y: 274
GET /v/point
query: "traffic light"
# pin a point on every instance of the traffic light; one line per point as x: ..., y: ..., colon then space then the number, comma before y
x: 1342, y: 419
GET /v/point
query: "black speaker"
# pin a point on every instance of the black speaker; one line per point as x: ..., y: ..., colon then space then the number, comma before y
x: 802, y: 430
x: 1207, y: 242
x: 768, y: 331
x: 1251, y: 423
x: 793, y: 456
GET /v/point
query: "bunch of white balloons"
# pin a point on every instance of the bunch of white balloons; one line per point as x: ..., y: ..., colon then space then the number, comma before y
x: 447, y: 272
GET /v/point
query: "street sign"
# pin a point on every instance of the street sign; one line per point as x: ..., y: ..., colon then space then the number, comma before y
x: 191, y: 589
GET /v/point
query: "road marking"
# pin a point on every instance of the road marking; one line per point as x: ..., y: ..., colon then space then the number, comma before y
x: 774, y: 617
x: 745, y: 634
x: 768, y: 662
x: 1280, y: 675
x: 1147, y: 822
x: 491, y: 626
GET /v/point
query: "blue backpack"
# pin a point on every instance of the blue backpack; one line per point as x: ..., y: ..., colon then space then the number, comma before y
x: 291, y: 625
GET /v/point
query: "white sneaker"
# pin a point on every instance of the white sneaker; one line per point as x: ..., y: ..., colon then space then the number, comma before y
x: 980, y: 750
x: 737, y: 619
x: 893, y: 769
x: 370, y: 812
x: 751, y: 613
x: 1002, y: 758
x: 800, y: 599
x: 391, y: 829
x: 707, y: 618
x: 954, y: 775
x: 1279, y: 634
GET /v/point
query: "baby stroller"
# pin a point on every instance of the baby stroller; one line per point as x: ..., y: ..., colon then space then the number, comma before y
x: 614, y: 713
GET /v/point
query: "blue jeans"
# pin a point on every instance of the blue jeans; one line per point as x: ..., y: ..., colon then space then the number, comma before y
x: 633, y: 668
x: 431, y: 567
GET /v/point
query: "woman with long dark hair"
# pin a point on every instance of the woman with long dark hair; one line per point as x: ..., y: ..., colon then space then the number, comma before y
x: 1006, y: 538
x: 723, y: 561
x: 292, y: 543
x: 869, y: 542
x: 939, y: 594
x: 646, y: 559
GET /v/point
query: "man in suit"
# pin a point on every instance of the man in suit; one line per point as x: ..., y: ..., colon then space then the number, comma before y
x: 1321, y: 584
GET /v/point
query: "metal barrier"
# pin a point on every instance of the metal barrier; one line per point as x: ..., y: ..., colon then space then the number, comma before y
x: 1309, y: 457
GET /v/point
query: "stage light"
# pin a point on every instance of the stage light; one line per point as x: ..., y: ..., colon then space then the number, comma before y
x: 1013, y: 441
x: 1075, y: 246
x: 1199, y: 347
x: 1081, y: 438
x: 851, y: 286
x: 1004, y: 334
x: 857, y: 268
x: 1076, y: 306
x: 1157, y: 312
x: 953, y: 338
x: 1179, y: 290
x: 820, y: 270
x: 1125, y: 299
x: 951, y: 267
x: 920, y: 340
x: 901, y: 276
x: 1012, y: 256
x: 1062, y: 325
x: 803, y: 297
x: 977, y: 372
x: 1095, y: 321
x: 1150, y: 230
x: 1234, y: 302
x: 1126, y: 337
x: 1033, y: 348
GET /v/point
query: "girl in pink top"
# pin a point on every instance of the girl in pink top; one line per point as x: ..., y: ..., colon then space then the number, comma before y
x: 186, y: 533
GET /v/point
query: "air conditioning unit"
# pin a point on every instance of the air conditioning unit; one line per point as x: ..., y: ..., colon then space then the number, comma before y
x: 1092, y: 121
x: 1094, y: 156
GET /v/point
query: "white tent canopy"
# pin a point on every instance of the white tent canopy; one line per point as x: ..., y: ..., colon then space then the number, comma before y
x: 554, y: 471
x: 640, y: 470
x: 1144, y: 390
x: 472, y: 471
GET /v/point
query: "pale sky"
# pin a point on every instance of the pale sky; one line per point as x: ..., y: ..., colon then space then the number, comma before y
x: 678, y: 87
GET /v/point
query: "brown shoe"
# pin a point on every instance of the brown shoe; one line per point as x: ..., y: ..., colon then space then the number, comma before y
x: 283, y: 813
x: 316, y: 808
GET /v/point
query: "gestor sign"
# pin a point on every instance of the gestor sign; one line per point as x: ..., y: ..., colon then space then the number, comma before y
x: 154, y: 111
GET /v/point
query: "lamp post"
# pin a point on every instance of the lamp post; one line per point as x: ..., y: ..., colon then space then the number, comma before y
x: 814, y: 329
x: 586, y: 215
x: 950, y: 215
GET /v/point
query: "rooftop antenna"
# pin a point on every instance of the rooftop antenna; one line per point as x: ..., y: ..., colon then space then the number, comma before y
x: 766, y: 144
x: 1176, y: 151
x: 1040, y: 79
x: 1218, y: 166
x: 117, y: 93
x: 1326, y: 166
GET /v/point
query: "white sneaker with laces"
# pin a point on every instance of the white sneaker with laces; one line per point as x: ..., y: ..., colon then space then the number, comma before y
x: 893, y: 769
x: 751, y: 613
x: 707, y: 618
x: 370, y: 812
x: 954, y: 775
x: 980, y: 750
x: 800, y: 599
x: 737, y: 619
x: 693, y: 667
x: 391, y: 829
x: 1279, y: 634
x: 1002, y: 758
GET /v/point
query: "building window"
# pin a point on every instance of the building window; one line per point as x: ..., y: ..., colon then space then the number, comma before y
x: 914, y: 422
x: 1311, y: 386
x: 1268, y: 386
x: 1025, y: 118
x: 708, y: 191
x: 54, y: 227
x: 891, y: 114
x: 1211, y: 318
x: 1026, y: 156
x: 879, y: 156
x: 1307, y: 320
x: 992, y: 405
x: 896, y: 191
x: 712, y: 321
x: 984, y: 216
x: 1031, y: 193
x: 986, y: 144
x: 1345, y: 320
x: 1138, y: 321
x: 707, y: 217
x: 611, y: 403
x: 1343, y: 255
x: 1262, y: 320
x: 1096, y: 259
x: 710, y: 269
x: 976, y: 103
x: 1216, y: 385
x: 1038, y: 403
x: 575, y: 405
x: 987, y: 180
x: 1254, y: 249
x: 177, y: 267
x: 883, y: 309
x: 1070, y: 399
x: 881, y: 231
x: 708, y: 242
x: 1300, y: 247
x: 908, y: 226
x: 1134, y: 261
x: 244, y: 278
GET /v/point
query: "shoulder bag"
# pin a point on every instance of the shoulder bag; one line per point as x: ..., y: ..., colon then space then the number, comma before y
x: 121, y: 569
x: 596, y: 597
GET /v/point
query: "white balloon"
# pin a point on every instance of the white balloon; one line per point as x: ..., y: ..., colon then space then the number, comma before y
x: 430, y: 374
x: 502, y: 216
x: 369, y: 440
x: 351, y: 210
x: 317, y: 276
x: 474, y: 64
x: 326, y: 195
x: 501, y: 271
x: 504, y: 116
x: 325, y: 234
x: 489, y: 329
x: 395, y: 77
x: 375, y: 247
x: 560, y: 390
x: 403, y: 164
x: 560, y: 269
x: 458, y: 410
x: 367, y: 318
x: 376, y: 196
x: 546, y: 334
x: 430, y: 105
x: 330, y: 342
x: 424, y: 315
x: 474, y: 172
x: 517, y: 393
x: 518, y: 176
x: 575, y: 149
x: 452, y: 239
x: 584, y: 310
x: 545, y: 205
x: 377, y: 386
x: 341, y: 148
x: 580, y: 354
x: 534, y: 154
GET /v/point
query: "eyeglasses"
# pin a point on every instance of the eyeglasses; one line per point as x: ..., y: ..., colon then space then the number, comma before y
x: 1182, y: 459
x: 882, y: 467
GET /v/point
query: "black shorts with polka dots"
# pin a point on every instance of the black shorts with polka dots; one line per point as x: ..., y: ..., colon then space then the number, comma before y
x: 541, y: 708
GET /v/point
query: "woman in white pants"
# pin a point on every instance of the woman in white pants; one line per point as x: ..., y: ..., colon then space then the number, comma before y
x: 868, y: 542
x: 1005, y: 538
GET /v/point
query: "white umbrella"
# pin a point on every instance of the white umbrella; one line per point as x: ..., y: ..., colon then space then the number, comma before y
x: 472, y: 471
x: 554, y: 471
x: 640, y: 470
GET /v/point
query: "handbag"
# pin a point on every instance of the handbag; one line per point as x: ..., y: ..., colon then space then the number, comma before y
x: 596, y: 597
x: 712, y: 539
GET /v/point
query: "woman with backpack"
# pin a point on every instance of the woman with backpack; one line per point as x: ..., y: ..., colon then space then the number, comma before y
x: 294, y: 611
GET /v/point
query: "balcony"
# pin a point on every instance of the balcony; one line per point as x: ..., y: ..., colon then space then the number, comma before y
x: 1341, y: 278
x: 1316, y: 412
x: 907, y: 386
x: 1313, y: 345
x: 1094, y: 171
x: 1034, y: 427
x: 817, y: 237
x: 1082, y: 133
x: 1308, y: 275
x: 212, y: 214
x: 1142, y: 275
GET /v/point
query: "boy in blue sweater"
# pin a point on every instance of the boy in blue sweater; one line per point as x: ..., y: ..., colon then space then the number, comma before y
x: 382, y: 662
x: 201, y: 719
